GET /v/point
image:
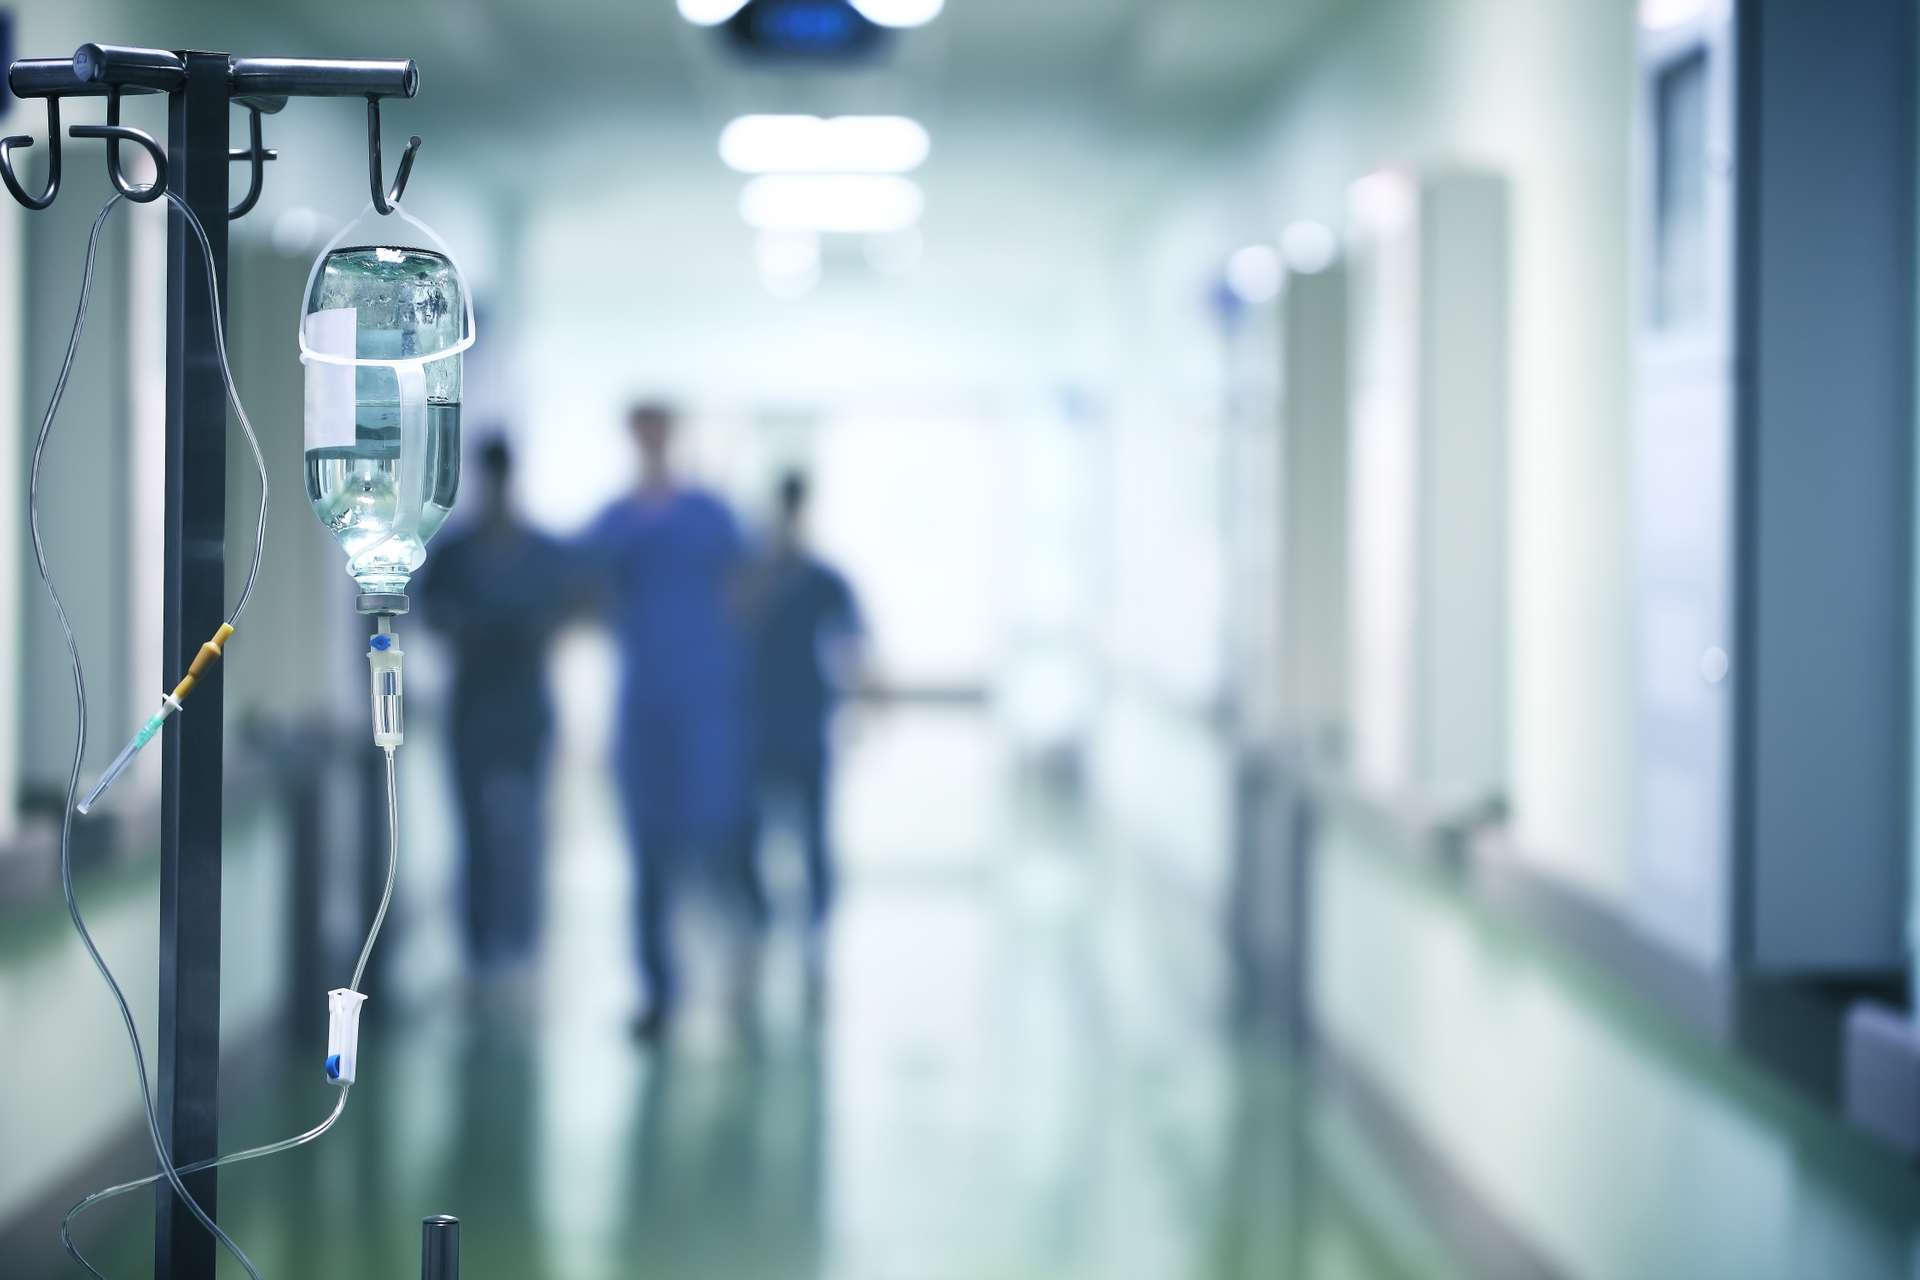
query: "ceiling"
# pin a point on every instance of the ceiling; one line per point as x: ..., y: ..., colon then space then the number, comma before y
x: 596, y: 121
x: 505, y: 76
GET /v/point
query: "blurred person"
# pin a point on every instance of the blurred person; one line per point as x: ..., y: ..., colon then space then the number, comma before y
x: 496, y: 589
x: 670, y: 555
x: 806, y: 641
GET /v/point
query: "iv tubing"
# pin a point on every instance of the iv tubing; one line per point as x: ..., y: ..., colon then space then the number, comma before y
x: 393, y: 867
x: 211, y: 650
x: 340, y: 1103
x: 161, y: 1154
x: 127, y: 753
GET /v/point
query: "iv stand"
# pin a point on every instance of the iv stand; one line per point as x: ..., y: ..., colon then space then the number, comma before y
x: 201, y: 90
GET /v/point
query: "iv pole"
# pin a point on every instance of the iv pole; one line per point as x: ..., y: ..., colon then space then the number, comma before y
x: 201, y: 89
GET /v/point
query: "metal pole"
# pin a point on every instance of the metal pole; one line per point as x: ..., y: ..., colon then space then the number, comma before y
x: 440, y: 1248
x: 189, y: 1048
x: 325, y: 77
x: 200, y: 88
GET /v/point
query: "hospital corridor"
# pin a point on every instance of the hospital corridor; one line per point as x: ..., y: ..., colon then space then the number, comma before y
x: 960, y: 640
x: 992, y: 1092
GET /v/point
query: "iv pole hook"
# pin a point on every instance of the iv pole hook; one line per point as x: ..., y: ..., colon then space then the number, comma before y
x: 7, y: 145
x: 384, y: 197
x: 115, y: 133
x: 256, y: 155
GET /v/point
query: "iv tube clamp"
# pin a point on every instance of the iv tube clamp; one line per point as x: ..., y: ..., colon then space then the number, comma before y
x: 261, y: 85
x: 343, y: 1035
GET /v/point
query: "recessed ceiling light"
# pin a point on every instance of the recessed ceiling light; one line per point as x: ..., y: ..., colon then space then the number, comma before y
x: 900, y: 13
x: 710, y: 13
x: 1309, y: 247
x: 1253, y: 273
x: 808, y: 144
x: 1659, y: 15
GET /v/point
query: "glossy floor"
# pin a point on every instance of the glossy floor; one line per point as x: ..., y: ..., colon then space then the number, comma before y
x: 1003, y: 1081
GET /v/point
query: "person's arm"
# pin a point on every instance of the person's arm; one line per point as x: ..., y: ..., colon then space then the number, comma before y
x: 844, y: 640
x: 564, y: 579
x: 739, y: 569
x: 591, y: 560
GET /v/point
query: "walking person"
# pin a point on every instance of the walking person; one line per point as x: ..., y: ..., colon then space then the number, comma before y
x: 496, y: 590
x: 669, y: 556
x: 806, y: 640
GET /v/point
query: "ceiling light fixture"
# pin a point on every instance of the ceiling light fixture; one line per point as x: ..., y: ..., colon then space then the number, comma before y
x: 808, y: 144
x: 1309, y: 247
x: 1663, y: 15
x: 1254, y: 274
x: 710, y: 13
x: 899, y: 13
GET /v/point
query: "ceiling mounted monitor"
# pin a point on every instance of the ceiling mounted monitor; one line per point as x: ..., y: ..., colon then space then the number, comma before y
x: 805, y: 30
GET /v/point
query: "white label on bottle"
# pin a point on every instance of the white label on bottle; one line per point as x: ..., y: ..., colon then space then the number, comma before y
x: 330, y: 387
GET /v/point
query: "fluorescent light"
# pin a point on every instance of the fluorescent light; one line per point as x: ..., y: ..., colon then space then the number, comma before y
x: 1309, y: 247
x: 808, y: 144
x: 710, y: 13
x: 843, y: 203
x: 900, y: 13
x: 1662, y: 15
x: 1253, y: 273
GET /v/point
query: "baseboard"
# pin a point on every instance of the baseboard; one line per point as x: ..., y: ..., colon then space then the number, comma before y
x: 1793, y: 1030
x: 1478, y: 1237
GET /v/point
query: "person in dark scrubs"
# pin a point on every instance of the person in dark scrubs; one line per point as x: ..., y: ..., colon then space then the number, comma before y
x: 497, y: 590
x: 670, y: 555
x: 806, y: 636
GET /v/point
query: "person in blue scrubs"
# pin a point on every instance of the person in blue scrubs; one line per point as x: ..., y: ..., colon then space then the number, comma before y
x: 806, y: 642
x: 496, y: 590
x: 670, y: 557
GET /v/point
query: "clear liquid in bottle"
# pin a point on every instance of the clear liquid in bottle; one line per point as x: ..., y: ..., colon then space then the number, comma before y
x: 383, y: 404
x: 359, y: 493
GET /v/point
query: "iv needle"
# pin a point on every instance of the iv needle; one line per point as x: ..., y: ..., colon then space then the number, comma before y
x: 209, y: 654
x: 121, y: 761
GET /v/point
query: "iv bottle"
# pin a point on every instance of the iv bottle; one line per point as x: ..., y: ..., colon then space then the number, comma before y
x: 387, y: 317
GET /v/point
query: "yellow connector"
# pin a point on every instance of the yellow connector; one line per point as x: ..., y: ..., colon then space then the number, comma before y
x: 208, y: 655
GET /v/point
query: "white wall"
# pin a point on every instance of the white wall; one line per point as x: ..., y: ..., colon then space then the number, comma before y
x: 12, y: 317
x: 1540, y: 93
x: 644, y: 282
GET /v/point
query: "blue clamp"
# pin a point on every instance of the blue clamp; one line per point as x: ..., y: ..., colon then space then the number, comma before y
x: 382, y: 641
x: 333, y: 1066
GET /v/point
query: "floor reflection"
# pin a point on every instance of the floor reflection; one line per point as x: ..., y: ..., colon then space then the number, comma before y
x: 992, y: 1088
